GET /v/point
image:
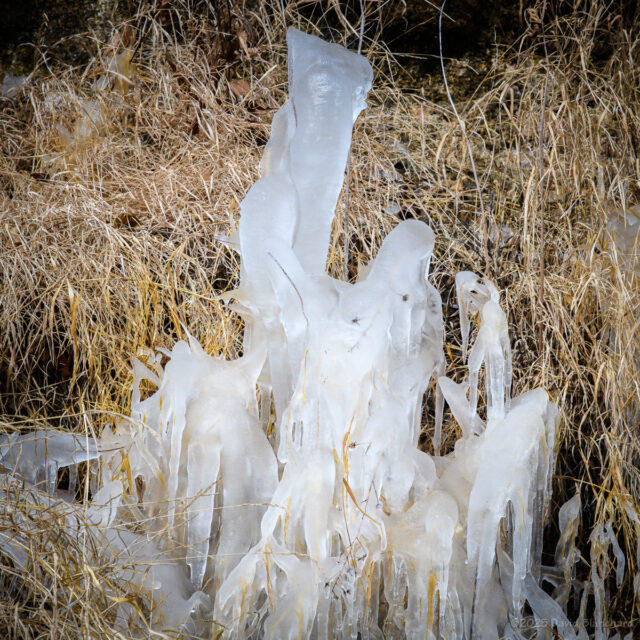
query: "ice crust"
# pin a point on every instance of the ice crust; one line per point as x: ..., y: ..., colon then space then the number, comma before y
x: 336, y: 515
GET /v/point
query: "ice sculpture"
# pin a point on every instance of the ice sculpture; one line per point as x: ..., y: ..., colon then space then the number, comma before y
x: 333, y: 524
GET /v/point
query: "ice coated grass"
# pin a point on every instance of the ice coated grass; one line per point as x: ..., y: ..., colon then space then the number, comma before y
x: 108, y: 247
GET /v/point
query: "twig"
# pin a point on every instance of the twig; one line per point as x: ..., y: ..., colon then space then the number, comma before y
x: 541, y: 181
x: 483, y: 213
x: 345, y: 222
x: 362, y: 17
x: 292, y: 283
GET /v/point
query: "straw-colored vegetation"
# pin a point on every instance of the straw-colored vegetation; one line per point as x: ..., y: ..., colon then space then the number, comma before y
x: 109, y: 241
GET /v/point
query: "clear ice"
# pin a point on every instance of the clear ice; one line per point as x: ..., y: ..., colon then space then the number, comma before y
x: 330, y: 523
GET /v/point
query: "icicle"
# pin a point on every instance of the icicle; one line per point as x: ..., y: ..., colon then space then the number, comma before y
x: 466, y: 286
x: 38, y: 455
x: 601, y: 538
x: 547, y: 611
x: 566, y: 552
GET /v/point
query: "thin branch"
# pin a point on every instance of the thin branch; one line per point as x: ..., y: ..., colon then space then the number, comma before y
x: 362, y: 17
x: 292, y: 283
x: 541, y: 180
x: 345, y: 222
x: 483, y: 213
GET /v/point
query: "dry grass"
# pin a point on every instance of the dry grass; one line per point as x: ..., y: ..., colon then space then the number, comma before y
x: 109, y: 245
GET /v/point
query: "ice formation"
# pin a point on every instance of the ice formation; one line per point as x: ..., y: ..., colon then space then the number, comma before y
x: 623, y: 231
x: 332, y: 524
x: 95, y: 113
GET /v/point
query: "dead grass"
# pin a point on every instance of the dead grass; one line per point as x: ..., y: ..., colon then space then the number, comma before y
x: 109, y: 245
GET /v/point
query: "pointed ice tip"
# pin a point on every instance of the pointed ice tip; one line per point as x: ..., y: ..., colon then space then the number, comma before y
x: 231, y: 241
x: 195, y: 346
x: 297, y: 38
